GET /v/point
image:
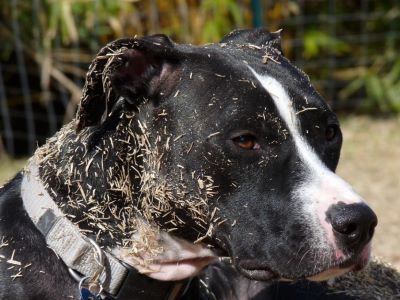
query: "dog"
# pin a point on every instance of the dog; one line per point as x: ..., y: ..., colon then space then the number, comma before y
x: 184, y: 162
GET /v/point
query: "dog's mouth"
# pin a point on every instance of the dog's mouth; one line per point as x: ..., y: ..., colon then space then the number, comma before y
x: 347, y: 264
x: 266, y: 274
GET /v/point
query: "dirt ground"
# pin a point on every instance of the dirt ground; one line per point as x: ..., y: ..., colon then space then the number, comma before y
x: 370, y: 161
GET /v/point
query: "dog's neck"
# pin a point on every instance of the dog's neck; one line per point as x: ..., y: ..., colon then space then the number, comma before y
x: 99, y: 183
x: 104, y: 181
x: 95, y: 187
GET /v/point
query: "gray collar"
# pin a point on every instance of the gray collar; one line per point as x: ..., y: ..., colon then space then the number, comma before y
x: 77, y: 251
x: 101, y: 271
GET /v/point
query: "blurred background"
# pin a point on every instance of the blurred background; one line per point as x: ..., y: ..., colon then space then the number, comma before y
x: 350, y: 49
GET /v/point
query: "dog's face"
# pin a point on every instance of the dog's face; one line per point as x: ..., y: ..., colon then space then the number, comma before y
x: 239, y: 151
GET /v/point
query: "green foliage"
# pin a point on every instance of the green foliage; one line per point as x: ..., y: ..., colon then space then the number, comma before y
x: 317, y: 42
x: 382, y: 88
x: 373, y: 70
x: 222, y: 16
x: 56, y: 35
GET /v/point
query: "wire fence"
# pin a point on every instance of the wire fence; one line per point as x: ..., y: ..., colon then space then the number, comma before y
x: 335, y: 44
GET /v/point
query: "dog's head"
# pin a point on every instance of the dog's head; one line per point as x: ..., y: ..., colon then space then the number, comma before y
x: 227, y: 145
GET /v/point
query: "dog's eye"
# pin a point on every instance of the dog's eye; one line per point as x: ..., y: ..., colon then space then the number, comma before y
x: 331, y: 132
x: 246, y: 141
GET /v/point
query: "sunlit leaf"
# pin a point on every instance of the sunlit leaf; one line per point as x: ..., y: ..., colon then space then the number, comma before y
x: 316, y: 41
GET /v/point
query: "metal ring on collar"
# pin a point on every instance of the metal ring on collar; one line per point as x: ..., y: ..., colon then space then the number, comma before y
x: 100, y: 255
x: 76, y: 275
x: 94, y: 280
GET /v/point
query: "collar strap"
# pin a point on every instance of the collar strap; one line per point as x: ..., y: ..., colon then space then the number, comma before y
x: 81, y: 254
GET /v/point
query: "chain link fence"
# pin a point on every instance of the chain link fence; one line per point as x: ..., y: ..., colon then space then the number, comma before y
x: 350, y: 51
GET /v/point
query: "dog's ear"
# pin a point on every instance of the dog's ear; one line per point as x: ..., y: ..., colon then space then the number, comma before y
x: 260, y: 37
x: 126, y: 70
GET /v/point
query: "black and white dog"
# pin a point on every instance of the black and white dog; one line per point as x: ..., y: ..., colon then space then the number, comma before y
x: 181, y: 155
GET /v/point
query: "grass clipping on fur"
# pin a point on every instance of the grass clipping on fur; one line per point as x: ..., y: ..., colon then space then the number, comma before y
x: 378, y: 281
x: 109, y: 186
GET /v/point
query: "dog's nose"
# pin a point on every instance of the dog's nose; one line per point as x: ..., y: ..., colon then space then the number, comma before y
x: 353, y: 224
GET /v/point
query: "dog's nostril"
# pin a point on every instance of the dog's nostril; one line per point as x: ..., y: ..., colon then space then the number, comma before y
x: 349, y: 229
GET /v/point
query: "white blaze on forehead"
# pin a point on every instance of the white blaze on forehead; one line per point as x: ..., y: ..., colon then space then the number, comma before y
x: 320, y: 187
x: 287, y: 112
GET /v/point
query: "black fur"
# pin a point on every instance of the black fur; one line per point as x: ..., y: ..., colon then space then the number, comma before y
x: 43, y: 274
x: 199, y: 98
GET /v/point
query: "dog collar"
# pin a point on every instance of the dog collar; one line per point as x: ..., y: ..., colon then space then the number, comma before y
x: 102, y: 273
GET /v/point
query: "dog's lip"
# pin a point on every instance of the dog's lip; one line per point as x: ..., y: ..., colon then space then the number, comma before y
x: 355, y: 262
x: 351, y: 264
x: 258, y: 274
x: 262, y: 273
